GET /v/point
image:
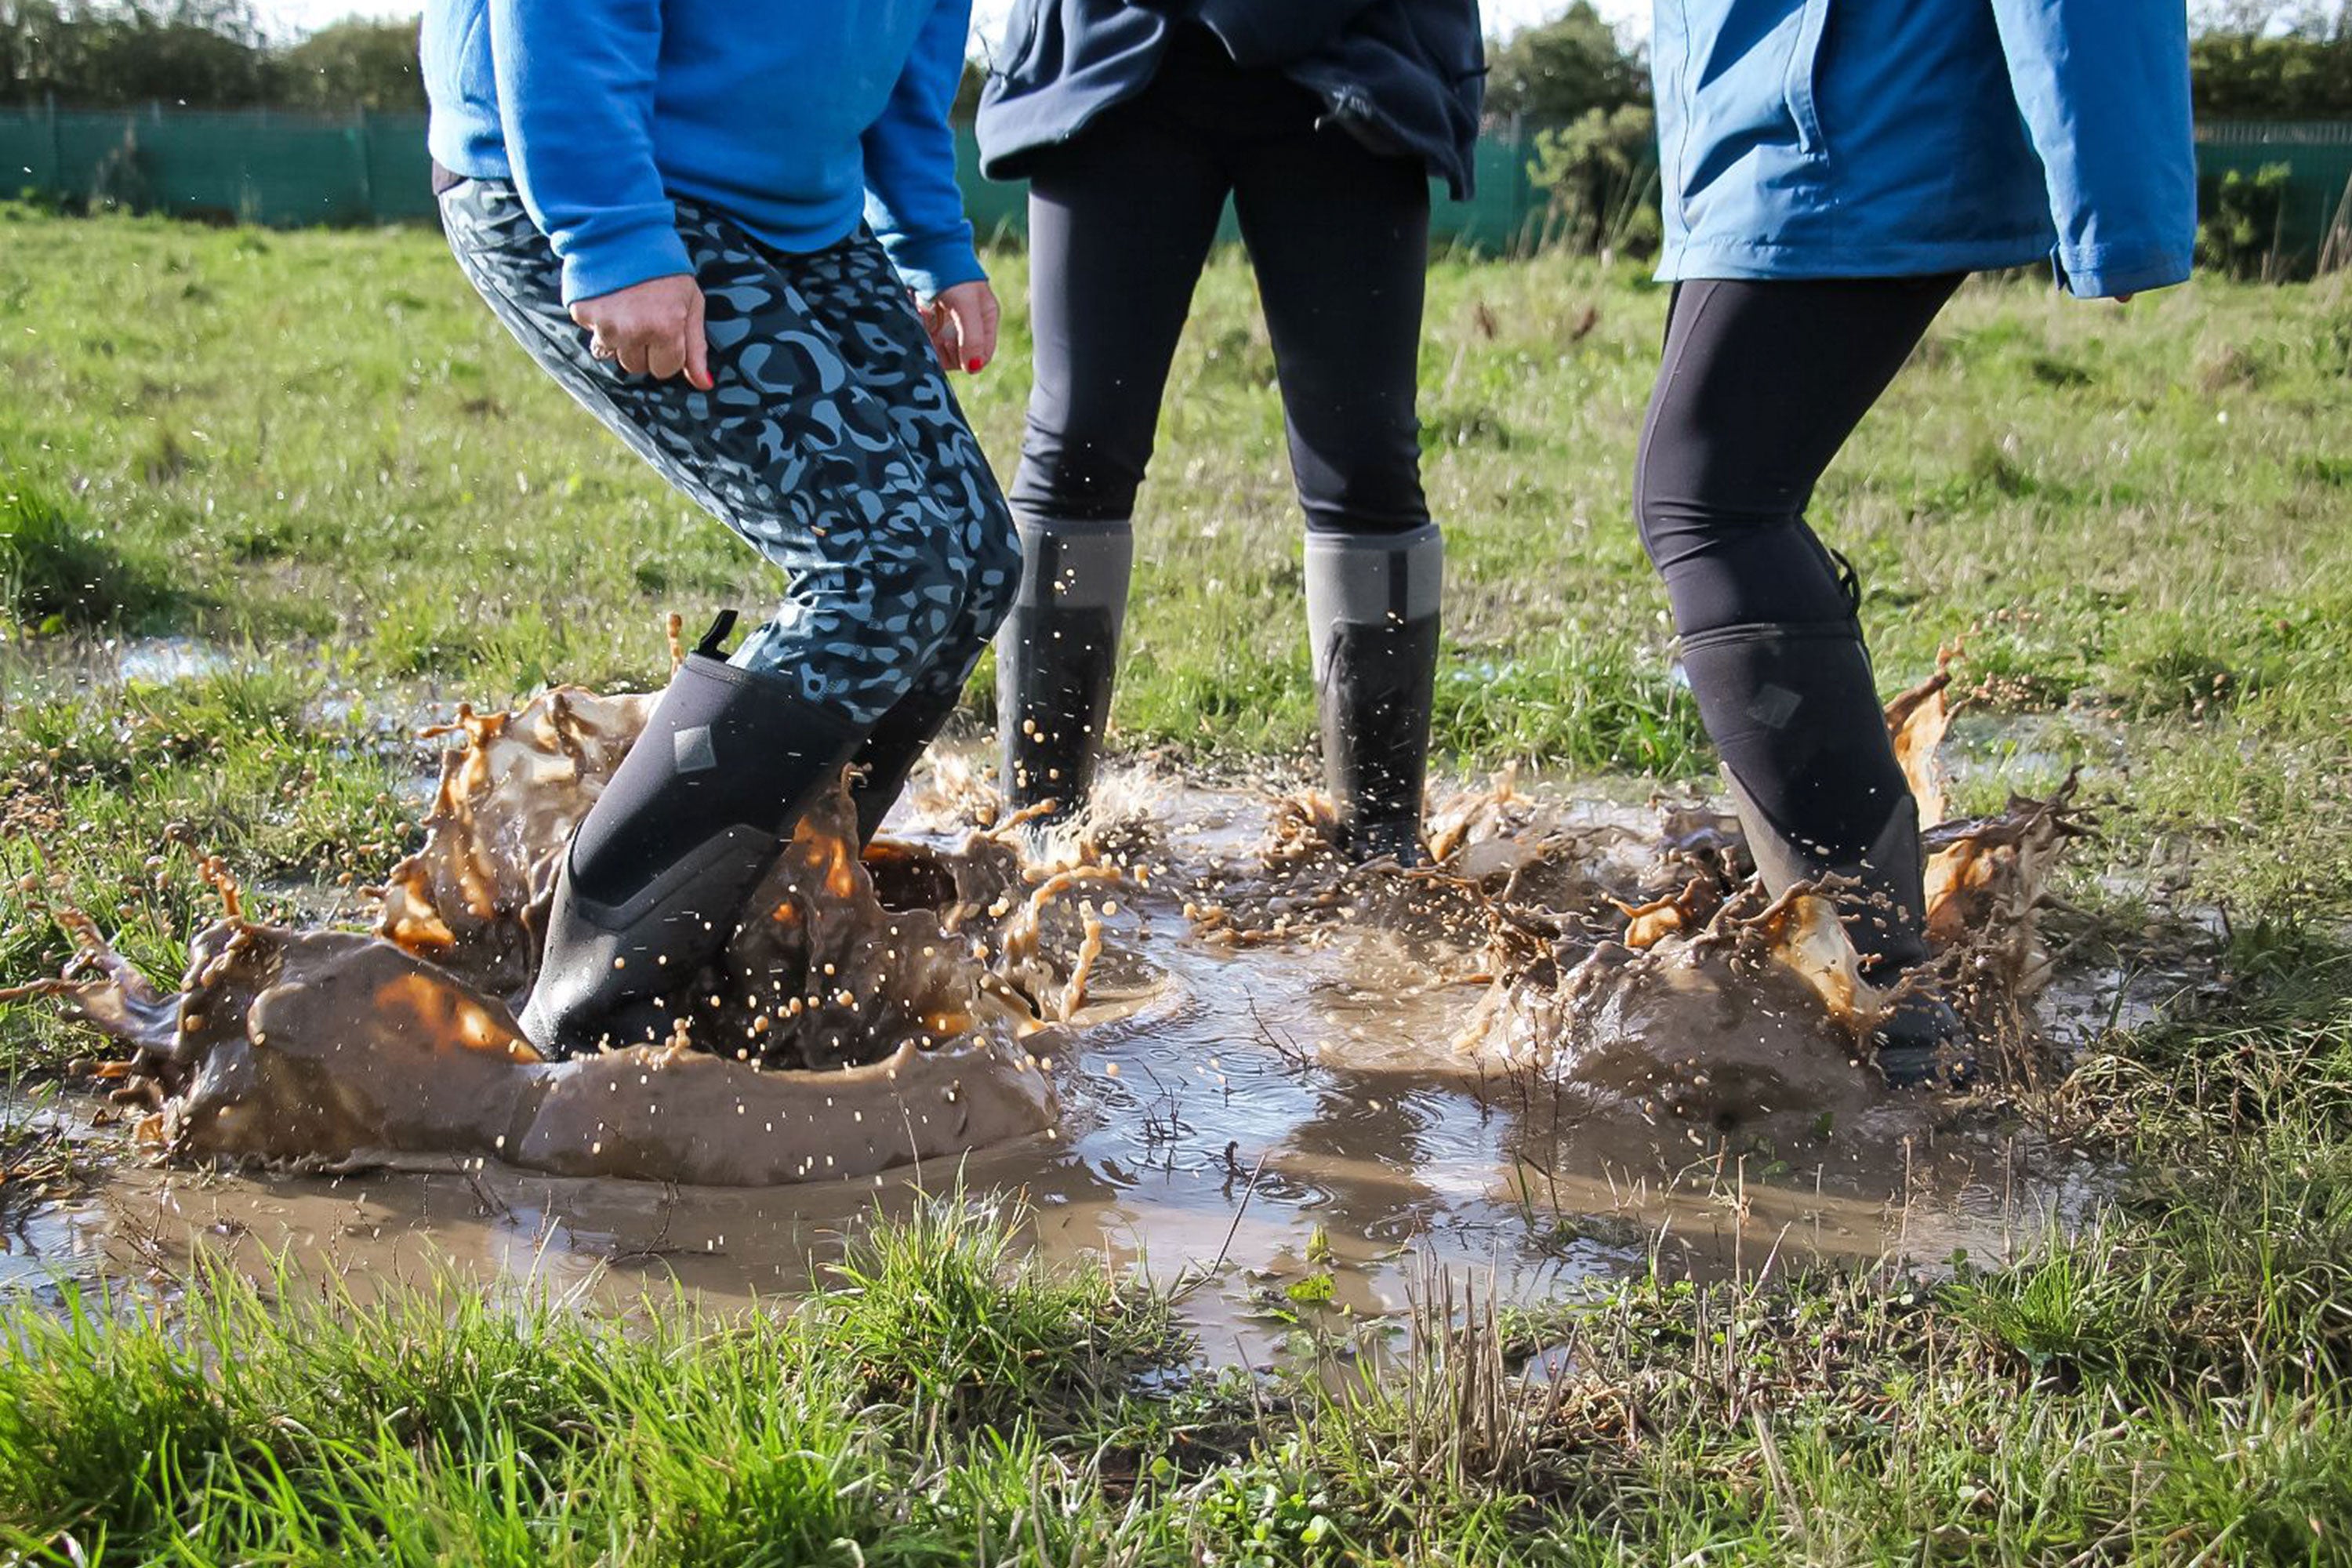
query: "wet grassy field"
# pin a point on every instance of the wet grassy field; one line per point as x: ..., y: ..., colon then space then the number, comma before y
x: 314, y: 466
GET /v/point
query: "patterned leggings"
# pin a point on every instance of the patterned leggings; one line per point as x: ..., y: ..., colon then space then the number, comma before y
x: 831, y: 443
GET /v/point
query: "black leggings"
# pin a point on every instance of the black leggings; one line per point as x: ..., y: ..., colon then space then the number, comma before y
x: 1762, y: 384
x: 1120, y: 220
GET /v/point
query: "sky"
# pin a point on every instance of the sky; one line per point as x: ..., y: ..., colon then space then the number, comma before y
x: 1630, y: 17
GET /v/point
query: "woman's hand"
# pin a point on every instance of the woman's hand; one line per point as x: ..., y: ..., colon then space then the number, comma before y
x: 962, y: 324
x: 654, y: 328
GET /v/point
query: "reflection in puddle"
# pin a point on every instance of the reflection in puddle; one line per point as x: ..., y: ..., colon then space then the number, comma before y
x: 159, y: 661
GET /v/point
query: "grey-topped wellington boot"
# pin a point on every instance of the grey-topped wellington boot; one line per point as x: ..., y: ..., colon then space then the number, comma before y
x: 1805, y: 692
x: 1372, y: 625
x: 1056, y: 657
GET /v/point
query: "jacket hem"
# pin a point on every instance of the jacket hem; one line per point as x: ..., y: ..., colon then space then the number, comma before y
x: 1765, y: 260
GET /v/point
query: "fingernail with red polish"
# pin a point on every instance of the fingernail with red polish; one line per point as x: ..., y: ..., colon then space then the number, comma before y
x: 975, y: 365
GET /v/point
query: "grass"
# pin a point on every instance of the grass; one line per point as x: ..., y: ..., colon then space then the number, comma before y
x: 59, y: 572
x: 2120, y: 1398
x: 317, y: 454
x: 102, y: 806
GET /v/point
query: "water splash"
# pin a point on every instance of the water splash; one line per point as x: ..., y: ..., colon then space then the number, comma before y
x: 912, y: 1003
x: 852, y: 1023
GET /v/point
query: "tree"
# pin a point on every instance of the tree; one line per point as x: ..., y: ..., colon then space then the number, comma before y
x: 2238, y: 76
x: 1601, y: 176
x: 1558, y: 72
x: 202, y: 53
x: 357, y: 63
x: 2258, y: 61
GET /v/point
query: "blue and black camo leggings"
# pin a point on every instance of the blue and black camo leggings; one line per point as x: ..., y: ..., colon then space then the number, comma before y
x: 830, y: 442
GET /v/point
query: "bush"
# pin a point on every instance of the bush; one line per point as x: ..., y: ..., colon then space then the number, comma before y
x: 2238, y: 231
x: 1601, y: 174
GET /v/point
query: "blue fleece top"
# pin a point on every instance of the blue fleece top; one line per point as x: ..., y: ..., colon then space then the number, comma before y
x: 796, y: 118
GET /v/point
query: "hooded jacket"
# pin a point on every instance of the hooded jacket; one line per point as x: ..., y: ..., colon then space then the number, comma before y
x: 1895, y: 138
x: 1405, y: 76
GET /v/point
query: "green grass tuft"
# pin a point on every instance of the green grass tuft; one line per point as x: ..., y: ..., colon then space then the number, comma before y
x: 939, y: 1314
x: 59, y: 569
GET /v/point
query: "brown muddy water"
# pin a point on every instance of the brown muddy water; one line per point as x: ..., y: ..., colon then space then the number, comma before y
x: 1187, y: 1038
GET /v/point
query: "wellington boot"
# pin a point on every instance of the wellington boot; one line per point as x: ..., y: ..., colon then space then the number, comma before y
x: 657, y: 875
x: 1056, y: 655
x: 886, y: 760
x: 1372, y: 612
x: 1810, y: 687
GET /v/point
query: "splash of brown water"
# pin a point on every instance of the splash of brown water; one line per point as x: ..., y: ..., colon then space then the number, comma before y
x: 881, y: 1009
x: 848, y: 1025
x: 1639, y: 963
x: 1719, y: 1005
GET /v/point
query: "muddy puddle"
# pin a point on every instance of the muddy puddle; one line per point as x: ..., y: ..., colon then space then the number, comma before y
x: 1184, y: 1035
x: 1261, y: 1125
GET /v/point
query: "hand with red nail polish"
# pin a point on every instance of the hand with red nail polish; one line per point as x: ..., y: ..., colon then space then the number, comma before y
x: 962, y: 322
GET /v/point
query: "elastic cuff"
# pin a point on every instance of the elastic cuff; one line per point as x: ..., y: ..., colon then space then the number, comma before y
x: 1075, y: 566
x: 932, y: 264
x: 1375, y: 578
x: 2102, y: 272
x: 620, y: 260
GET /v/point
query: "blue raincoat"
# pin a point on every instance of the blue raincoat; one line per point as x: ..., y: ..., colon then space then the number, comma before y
x: 1895, y: 138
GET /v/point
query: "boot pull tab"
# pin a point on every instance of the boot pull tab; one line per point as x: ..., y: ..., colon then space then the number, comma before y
x: 1849, y: 580
x: 714, y: 641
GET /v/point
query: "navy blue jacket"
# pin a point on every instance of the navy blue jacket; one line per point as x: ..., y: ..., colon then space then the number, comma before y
x: 1885, y: 138
x: 1405, y: 76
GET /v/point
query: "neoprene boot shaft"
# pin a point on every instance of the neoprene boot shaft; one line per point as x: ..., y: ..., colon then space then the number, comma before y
x: 887, y: 758
x: 1795, y: 716
x: 1372, y: 619
x: 655, y: 879
x: 1056, y: 658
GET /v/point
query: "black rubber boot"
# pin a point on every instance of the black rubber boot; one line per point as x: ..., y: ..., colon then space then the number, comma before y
x: 659, y: 870
x: 1795, y: 715
x: 1056, y: 655
x: 888, y: 758
x: 1372, y: 622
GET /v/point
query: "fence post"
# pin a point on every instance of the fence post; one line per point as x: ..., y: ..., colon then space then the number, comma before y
x: 367, y: 166
x: 1523, y: 187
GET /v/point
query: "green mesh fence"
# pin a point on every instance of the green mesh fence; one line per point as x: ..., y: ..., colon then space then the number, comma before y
x: 258, y: 167
x: 286, y: 170
x: 2313, y: 225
